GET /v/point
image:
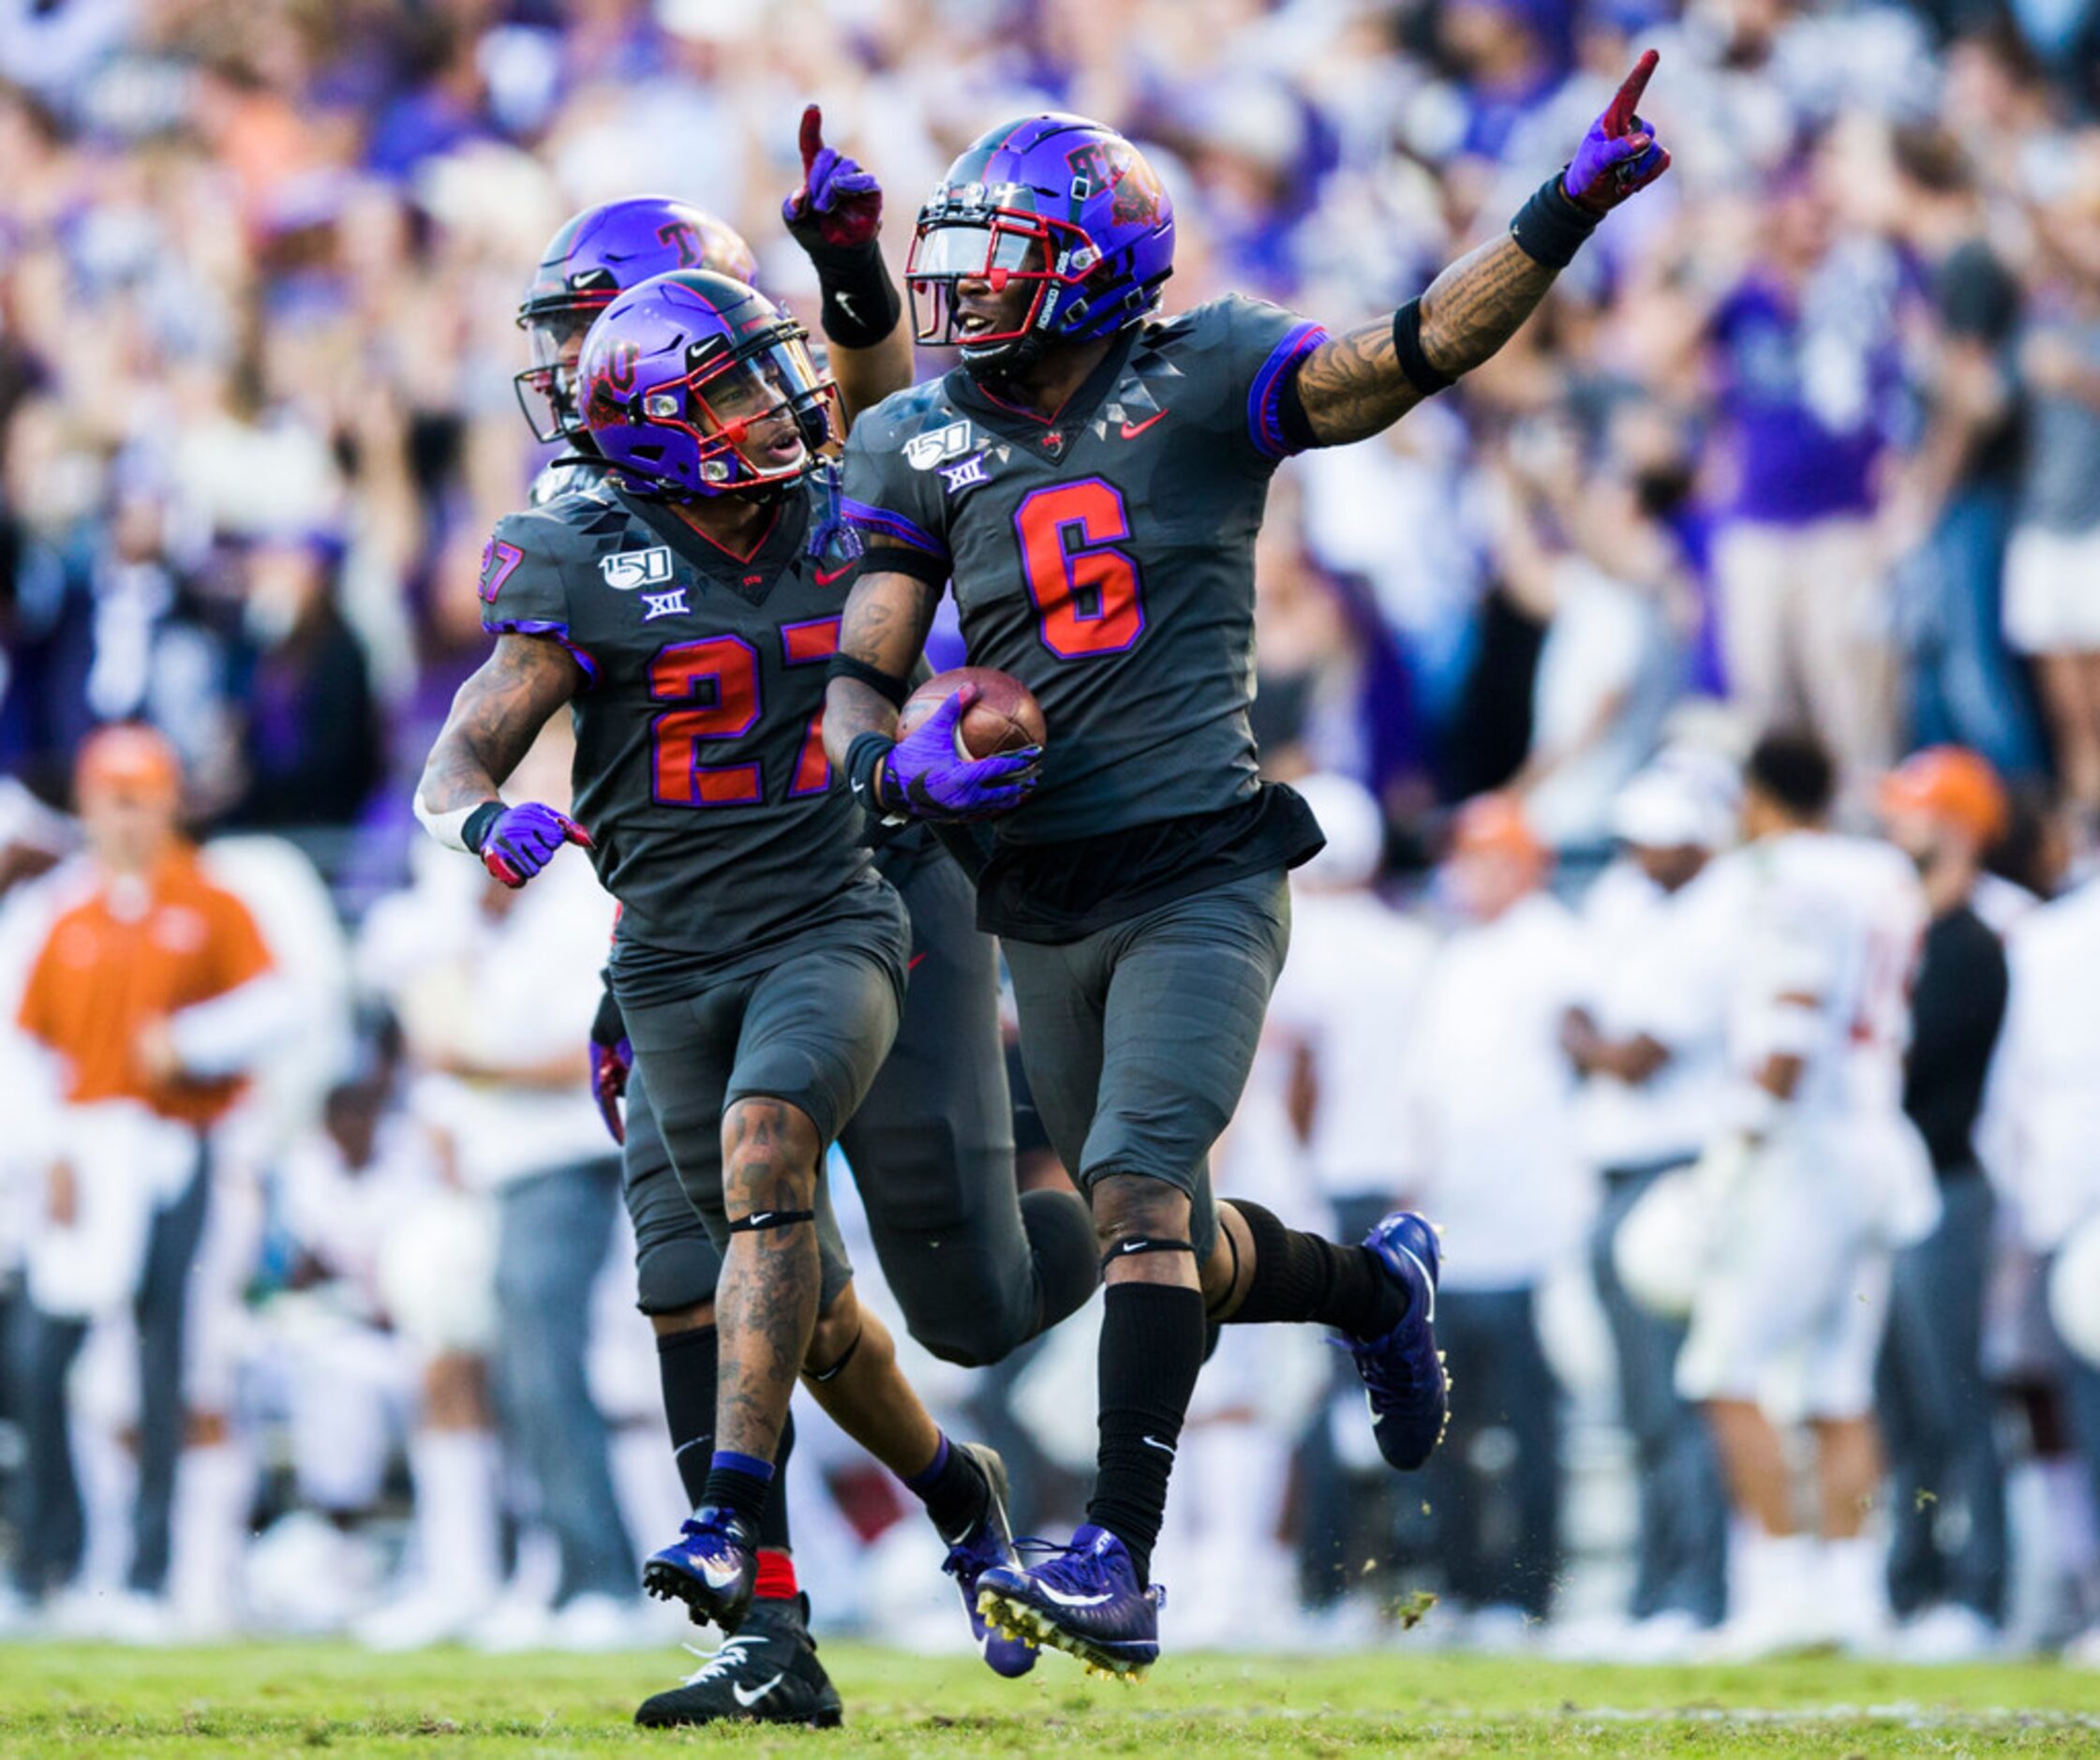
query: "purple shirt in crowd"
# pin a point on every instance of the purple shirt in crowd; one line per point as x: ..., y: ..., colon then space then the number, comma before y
x: 1804, y: 395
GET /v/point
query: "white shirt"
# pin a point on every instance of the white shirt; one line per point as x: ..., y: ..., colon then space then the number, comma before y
x: 496, y: 990
x: 1489, y: 1094
x: 2040, y: 1133
x: 1654, y: 966
x: 1350, y: 995
x: 1837, y: 922
x: 342, y: 1214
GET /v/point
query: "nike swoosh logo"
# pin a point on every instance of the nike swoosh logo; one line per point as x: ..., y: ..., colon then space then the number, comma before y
x: 1131, y: 433
x: 1071, y: 1600
x: 747, y: 1697
x: 1429, y: 1282
x: 845, y: 302
x: 1165, y: 1448
x: 825, y: 577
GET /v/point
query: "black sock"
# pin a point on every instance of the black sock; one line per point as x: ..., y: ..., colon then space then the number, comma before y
x: 1299, y: 1276
x: 741, y: 1484
x: 688, y: 1363
x: 772, y: 1526
x: 1152, y: 1349
x: 1061, y: 1247
x: 953, y: 1489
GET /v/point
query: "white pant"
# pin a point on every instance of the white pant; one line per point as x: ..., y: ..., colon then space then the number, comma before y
x: 1794, y: 1296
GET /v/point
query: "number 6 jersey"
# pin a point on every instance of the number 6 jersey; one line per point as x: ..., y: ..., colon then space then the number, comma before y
x: 1106, y: 558
x: 699, y: 767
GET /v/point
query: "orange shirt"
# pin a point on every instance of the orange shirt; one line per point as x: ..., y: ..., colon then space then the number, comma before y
x: 110, y: 964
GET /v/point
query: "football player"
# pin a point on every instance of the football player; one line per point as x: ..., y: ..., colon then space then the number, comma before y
x: 947, y: 1188
x: 1092, y: 481
x: 977, y: 1269
x: 1818, y: 1177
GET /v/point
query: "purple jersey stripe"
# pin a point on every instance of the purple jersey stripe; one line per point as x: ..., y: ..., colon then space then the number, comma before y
x: 1264, y: 396
x: 860, y: 515
x: 557, y: 632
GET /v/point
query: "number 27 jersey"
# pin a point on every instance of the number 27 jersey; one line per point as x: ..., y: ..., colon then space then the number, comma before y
x: 1105, y: 558
x: 699, y: 769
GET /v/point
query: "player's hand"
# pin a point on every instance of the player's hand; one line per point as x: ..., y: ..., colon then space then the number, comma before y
x: 930, y: 775
x: 612, y: 1060
x: 1619, y: 153
x: 523, y: 838
x: 839, y: 204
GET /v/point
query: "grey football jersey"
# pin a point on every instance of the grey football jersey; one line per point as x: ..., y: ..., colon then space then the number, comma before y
x: 700, y: 769
x: 1105, y: 558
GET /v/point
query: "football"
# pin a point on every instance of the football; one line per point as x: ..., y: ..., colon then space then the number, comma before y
x: 1005, y: 717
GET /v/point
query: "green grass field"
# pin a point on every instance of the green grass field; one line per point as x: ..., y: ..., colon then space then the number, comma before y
x: 78, y: 1700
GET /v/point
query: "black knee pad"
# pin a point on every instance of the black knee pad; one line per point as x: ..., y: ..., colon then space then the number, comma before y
x: 677, y: 1275
x: 1060, y: 1242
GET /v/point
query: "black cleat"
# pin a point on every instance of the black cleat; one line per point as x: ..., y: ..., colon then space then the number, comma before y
x: 768, y: 1673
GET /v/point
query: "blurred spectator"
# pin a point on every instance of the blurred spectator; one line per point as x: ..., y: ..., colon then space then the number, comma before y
x: 2053, y: 579
x: 1485, y: 1128
x: 1579, y: 554
x: 1945, y: 809
x: 152, y: 996
x: 312, y: 746
x: 495, y: 991
x: 1954, y: 496
x: 1821, y: 934
x: 1804, y: 350
x: 1646, y: 1036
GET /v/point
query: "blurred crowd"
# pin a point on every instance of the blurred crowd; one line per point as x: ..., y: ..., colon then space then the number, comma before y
x: 1810, y: 437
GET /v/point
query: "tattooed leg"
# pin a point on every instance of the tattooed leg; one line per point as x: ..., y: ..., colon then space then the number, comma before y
x: 766, y: 1301
x: 852, y: 1373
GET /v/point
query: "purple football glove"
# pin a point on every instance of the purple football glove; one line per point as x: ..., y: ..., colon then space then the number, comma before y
x: 839, y: 203
x: 1619, y: 153
x: 930, y: 775
x: 611, y: 1061
x: 523, y: 838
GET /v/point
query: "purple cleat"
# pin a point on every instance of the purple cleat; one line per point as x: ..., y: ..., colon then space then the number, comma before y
x: 987, y: 1547
x: 1085, y: 1599
x: 712, y: 1567
x: 1404, y: 1381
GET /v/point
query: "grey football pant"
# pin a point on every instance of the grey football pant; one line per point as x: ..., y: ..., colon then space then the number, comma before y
x: 931, y: 1150
x: 1137, y: 1038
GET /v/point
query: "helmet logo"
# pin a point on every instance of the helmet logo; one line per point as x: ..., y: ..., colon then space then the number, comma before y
x: 1120, y: 167
x: 683, y: 237
x: 621, y: 361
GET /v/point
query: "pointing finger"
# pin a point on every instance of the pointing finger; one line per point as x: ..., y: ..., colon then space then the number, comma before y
x: 812, y: 137
x: 1619, y: 118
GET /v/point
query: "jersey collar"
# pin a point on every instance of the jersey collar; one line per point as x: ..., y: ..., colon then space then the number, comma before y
x: 749, y: 577
x: 1054, y: 437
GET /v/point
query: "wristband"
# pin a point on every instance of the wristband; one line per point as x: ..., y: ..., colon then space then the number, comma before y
x: 1552, y: 226
x: 861, y: 305
x: 893, y: 690
x: 1406, y: 344
x: 864, y: 758
x: 475, y: 832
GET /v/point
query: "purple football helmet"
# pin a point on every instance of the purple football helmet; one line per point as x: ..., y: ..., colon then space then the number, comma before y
x: 693, y: 384
x: 598, y: 255
x: 1055, y: 200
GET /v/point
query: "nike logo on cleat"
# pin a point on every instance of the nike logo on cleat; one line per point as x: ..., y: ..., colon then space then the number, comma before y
x: 1072, y: 1601
x: 747, y: 1697
x: 1428, y: 1282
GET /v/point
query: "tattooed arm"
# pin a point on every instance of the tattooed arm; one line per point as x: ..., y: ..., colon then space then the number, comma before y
x: 887, y: 618
x: 494, y: 718
x: 1357, y: 384
x: 1353, y: 386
